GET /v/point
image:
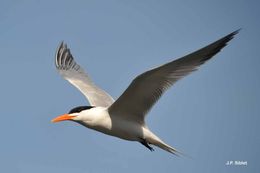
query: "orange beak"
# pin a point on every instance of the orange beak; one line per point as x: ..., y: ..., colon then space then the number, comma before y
x: 62, y: 118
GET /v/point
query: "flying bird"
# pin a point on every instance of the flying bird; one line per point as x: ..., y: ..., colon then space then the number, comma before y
x: 125, y: 117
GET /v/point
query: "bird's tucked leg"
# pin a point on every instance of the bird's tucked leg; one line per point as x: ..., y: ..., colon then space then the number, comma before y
x: 145, y: 143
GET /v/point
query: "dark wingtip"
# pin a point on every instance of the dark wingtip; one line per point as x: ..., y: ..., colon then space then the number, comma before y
x: 234, y: 33
x: 62, y: 44
x: 219, y: 44
x: 237, y: 31
x: 231, y: 35
x: 57, y: 54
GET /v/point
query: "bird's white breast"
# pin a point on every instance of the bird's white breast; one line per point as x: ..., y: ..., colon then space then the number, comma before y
x: 99, y: 119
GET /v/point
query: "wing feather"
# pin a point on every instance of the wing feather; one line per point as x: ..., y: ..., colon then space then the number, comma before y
x: 72, y: 72
x: 148, y: 87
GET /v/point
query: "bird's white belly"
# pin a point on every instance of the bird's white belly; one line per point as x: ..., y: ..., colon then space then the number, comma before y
x: 126, y: 130
x: 121, y: 129
x: 117, y: 127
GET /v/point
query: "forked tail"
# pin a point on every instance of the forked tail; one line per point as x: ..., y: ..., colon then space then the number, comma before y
x: 167, y: 147
x: 154, y: 140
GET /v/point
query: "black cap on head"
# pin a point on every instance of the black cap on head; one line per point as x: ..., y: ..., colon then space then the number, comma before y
x: 79, y: 109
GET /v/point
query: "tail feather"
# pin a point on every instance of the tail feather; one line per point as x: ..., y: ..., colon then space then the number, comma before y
x: 168, y: 148
x: 151, y: 138
x: 154, y: 140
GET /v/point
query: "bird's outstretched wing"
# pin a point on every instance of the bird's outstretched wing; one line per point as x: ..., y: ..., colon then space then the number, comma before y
x: 148, y: 87
x: 71, y: 71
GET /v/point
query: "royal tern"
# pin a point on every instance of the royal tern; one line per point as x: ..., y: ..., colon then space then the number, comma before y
x: 125, y: 117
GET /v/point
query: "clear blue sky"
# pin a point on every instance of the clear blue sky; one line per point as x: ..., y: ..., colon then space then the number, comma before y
x: 212, y: 115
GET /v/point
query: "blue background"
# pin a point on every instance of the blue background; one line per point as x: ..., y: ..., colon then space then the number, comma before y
x: 212, y: 115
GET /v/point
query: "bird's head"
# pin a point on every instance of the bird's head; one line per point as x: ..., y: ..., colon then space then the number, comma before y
x: 73, y: 114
